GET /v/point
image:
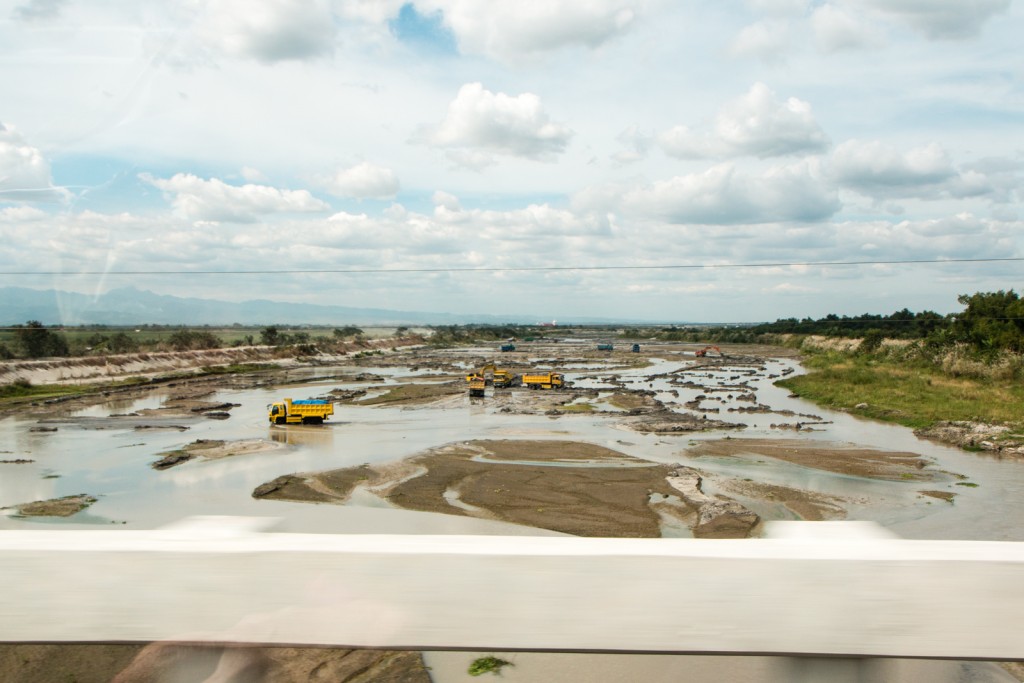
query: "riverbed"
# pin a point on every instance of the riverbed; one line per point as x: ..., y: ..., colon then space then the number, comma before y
x: 90, y: 452
x: 721, y: 417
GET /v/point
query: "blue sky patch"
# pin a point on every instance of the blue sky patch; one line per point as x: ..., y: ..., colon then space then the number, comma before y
x: 423, y: 31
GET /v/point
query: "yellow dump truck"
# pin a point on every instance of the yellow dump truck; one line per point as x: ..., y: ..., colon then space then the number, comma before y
x: 543, y: 380
x: 489, y: 374
x: 300, y: 412
x: 477, y: 386
x: 504, y: 379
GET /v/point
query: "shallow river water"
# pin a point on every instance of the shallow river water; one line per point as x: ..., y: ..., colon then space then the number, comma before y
x: 110, y: 461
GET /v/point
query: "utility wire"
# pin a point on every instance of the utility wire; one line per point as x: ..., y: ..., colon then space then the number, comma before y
x: 486, y: 269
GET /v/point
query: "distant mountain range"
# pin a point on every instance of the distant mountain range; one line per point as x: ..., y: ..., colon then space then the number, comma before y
x: 130, y: 306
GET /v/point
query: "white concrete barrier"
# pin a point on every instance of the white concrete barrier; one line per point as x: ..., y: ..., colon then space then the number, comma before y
x: 814, y: 589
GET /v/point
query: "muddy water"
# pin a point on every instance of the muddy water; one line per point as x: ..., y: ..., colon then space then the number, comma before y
x: 110, y: 458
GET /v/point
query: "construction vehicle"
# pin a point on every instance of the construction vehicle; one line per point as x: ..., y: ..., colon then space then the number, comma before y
x: 505, y: 348
x: 703, y: 352
x: 486, y: 373
x: 504, y: 379
x: 300, y: 412
x: 543, y: 380
x: 477, y: 386
x: 605, y: 347
x: 489, y: 374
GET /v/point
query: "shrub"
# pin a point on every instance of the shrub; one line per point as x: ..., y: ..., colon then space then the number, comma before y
x: 489, y: 664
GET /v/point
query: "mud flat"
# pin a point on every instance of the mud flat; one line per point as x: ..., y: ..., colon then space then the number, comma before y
x: 190, y: 401
x: 668, y: 422
x: 976, y: 436
x: 858, y: 462
x: 805, y: 505
x: 570, y: 487
x: 213, y: 449
x: 716, y: 517
x: 56, y: 507
x: 414, y: 394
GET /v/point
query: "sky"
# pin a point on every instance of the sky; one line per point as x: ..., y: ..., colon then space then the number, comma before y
x: 659, y: 160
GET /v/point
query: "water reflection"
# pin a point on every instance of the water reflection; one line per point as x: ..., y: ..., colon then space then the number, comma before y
x: 317, y: 436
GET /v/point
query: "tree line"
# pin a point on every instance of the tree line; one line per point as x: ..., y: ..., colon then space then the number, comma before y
x: 990, y: 321
x: 36, y: 340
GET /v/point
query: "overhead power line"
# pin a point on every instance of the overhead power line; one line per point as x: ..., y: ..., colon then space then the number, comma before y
x: 512, y: 269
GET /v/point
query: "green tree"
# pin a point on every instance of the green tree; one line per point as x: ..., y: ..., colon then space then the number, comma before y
x: 871, y: 342
x: 37, y: 342
x: 181, y: 340
x: 991, y: 321
x: 347, y: 331
x: 270, y: 336
x: 122, y: 342
x: 188, y: 340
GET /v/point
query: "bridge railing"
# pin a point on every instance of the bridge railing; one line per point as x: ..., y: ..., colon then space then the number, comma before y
x: 810, y: 589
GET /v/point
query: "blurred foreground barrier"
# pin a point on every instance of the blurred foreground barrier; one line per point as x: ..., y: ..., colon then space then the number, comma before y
x: 813, y: 588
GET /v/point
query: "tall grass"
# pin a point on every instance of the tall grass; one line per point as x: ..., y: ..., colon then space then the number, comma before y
x: 914, y: 385
x: 23, y: 389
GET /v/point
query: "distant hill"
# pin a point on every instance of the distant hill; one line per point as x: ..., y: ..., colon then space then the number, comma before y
x: 131, y: 306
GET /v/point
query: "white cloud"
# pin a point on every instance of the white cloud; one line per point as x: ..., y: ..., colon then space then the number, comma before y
x: 21, y: 214
x: 508, y: 29
x: 267, y: 30
x: 214, y: 200
x: 727, y: 196
x: 954, y: 237
x: 883, y: 171
x: 836, y: 28
x: 24, y: 171
x: 756, y: 124
x: 868, y: 164
x: 942, y: 19
x: 528, y: 225
x: 768, y: 40
x: 482, y: 122
x: 364, y: 181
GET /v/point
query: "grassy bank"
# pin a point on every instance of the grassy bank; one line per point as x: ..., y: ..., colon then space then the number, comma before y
x: 912, y: 394
x: 24, y: 391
